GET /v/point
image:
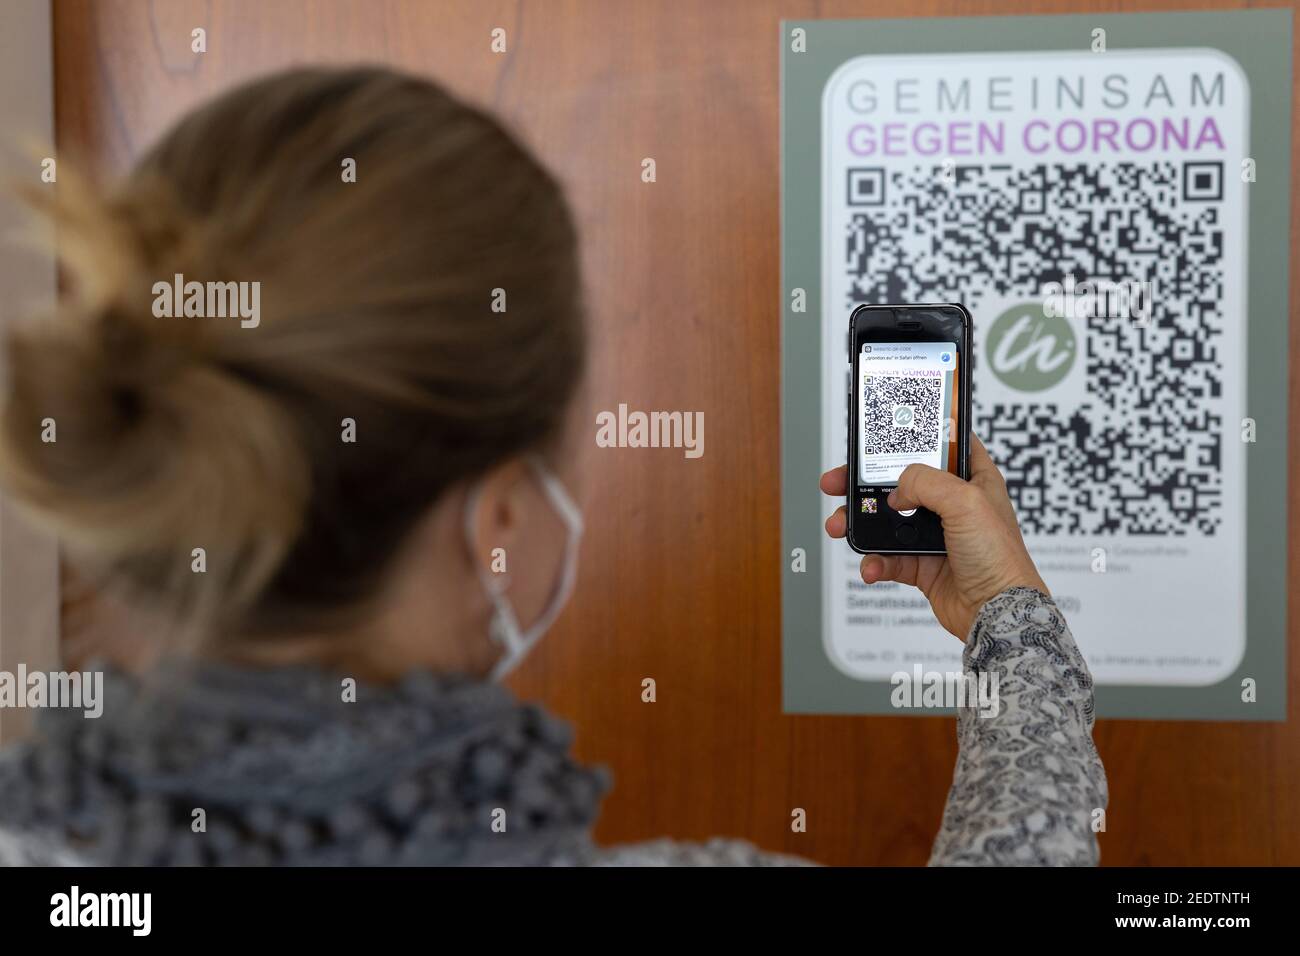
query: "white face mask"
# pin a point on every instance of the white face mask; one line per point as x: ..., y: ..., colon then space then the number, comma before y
x: 504, y: 627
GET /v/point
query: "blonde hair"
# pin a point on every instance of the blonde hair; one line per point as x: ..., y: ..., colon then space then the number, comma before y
x: 377, y: 306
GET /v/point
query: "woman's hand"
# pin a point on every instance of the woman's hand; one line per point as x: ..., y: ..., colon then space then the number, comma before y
x: 986, y: 554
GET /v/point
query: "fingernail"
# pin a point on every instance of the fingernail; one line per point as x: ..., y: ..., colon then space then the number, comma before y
x: 893, y: 498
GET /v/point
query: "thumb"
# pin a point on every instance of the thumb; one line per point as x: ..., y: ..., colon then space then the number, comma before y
x: 926, y: 487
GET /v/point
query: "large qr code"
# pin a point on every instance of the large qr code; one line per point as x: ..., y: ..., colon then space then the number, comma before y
x: 1142, y: 453
x: 900, y: 414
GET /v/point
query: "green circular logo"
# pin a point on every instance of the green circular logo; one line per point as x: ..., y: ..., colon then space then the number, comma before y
x: 1030, y: 351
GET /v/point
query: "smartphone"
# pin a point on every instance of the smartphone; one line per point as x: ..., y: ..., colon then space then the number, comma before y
x: 908, y: 401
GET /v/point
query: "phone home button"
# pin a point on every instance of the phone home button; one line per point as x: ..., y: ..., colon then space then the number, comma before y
x: 906, y: 534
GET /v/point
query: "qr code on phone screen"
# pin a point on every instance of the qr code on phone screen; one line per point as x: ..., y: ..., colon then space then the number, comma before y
x: 900, y: 414
x: 1142, y: 453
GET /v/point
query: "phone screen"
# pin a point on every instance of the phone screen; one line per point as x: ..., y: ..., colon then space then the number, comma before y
x: 907, y: 408
x: 908, y: 401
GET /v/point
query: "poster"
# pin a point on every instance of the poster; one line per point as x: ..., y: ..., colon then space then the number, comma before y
x: 1108, y: 197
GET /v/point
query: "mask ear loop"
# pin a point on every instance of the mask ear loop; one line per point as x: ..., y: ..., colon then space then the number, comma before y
x: 502, y: 627
x: 571, y: 516
x: 568, y: 510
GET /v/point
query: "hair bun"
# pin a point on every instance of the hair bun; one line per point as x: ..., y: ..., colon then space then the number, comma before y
x: 123, y: 434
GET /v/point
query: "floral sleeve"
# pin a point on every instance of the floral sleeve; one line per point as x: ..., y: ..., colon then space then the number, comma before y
x: 1029, y: 784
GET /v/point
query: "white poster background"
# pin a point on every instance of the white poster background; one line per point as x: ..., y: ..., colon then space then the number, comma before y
x: 1169, y: 609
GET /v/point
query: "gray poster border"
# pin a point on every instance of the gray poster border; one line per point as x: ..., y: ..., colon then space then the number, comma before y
x: 1260, y: 42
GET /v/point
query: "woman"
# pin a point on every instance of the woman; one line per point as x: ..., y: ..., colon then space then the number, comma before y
x: 313, y: 511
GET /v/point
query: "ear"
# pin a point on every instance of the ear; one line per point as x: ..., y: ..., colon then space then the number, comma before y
x: 496, y: 519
